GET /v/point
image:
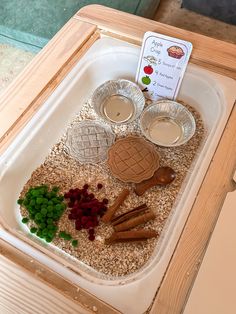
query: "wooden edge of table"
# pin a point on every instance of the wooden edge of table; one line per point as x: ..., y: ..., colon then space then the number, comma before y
x: 186, y: 260
x: 211, y: 53
x: 42, y: 75
x: 55, y: 281
x: 50, y: 67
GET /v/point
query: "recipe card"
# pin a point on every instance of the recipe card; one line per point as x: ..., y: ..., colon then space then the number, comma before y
x: 162, y: 64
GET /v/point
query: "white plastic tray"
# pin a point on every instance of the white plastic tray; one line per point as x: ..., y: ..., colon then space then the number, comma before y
x: 211, y: 94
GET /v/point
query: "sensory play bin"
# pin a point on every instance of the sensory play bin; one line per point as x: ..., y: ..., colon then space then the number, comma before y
x: 104, y: 192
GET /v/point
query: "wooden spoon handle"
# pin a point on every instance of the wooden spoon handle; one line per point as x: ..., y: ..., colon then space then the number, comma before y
x: 162, y: 176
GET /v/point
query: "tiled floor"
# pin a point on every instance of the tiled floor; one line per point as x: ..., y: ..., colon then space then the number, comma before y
x: 12, y: 62
x: 170, y: 12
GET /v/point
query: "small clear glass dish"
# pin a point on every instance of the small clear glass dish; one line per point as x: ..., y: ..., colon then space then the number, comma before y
x: 118, y: 101
x: 88, y: 141
x: 167, y: 123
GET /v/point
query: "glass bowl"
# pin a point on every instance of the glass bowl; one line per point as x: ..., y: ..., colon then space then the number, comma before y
x: 167, y: 123
x: 118, y: 101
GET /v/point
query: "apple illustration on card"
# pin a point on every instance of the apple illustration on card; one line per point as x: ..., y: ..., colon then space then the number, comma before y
x: 162, y: 64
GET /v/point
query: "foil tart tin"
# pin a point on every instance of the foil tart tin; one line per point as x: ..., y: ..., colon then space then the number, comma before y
x: 118, y: 101
x: 88, y: 141
x: 167, y: 123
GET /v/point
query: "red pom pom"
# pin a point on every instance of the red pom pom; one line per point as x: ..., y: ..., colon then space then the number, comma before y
x: 91, y: 237
x: 91, y: 231
x: 105, y: 201
x: 84, y: 220
x: 78, y: 225
x: 71, y: 204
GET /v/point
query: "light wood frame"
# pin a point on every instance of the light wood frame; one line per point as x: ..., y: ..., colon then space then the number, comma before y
x: 34, y: 85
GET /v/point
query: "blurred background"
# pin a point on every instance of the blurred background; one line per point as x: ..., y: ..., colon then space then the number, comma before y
x: 26, y: 26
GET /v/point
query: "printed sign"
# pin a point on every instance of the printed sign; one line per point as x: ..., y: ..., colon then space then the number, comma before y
x: 162, y: 64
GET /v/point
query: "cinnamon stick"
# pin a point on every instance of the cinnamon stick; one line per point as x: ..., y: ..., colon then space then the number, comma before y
x: 135, y: 221
x: 132, y: 235
x: 117, y: 203
x: 131, y: 213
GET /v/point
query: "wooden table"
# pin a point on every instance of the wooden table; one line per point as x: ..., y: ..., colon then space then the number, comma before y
x: 28, y: 92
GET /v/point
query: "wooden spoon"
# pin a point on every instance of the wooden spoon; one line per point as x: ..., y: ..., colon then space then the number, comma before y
x: 162, y: 176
